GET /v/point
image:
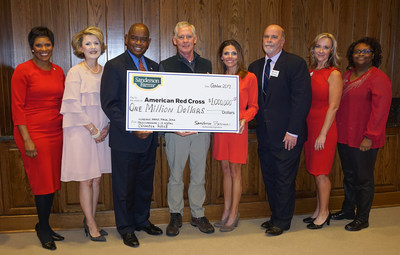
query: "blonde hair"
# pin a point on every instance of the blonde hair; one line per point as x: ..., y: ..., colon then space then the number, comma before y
x: 78, y: 38
x: 182, y: 24
x: 333, y: 60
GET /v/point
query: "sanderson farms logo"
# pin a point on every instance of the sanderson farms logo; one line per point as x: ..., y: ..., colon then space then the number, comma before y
x: 147, y: 82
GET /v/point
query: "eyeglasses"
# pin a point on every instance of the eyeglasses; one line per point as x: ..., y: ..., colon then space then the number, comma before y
x: 364, y: 51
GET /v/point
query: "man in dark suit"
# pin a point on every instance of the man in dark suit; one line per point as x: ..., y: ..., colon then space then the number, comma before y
x: 284, y: 99
x: 133, y: 154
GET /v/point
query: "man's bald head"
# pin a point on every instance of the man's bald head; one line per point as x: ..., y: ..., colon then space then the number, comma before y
x: 137, y: 40
x: 273, y: 40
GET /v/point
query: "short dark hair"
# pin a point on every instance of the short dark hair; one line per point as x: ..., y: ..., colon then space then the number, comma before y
x: 375, y: 47
x: 40, y: 32
x: 242, y: 71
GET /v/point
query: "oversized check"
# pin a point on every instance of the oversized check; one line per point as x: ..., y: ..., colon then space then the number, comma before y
x: 158, y: 101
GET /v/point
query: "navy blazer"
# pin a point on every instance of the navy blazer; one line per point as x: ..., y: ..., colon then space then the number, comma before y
x: 113, y: 102
x: 287, y: 101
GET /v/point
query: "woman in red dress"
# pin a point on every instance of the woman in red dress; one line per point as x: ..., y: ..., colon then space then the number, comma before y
x: 326, y: 83
x: 231, y: 149
x: 36, y: 91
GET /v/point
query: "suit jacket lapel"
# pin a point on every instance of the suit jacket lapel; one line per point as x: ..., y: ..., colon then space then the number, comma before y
x: 150, y: 67
x: 129, y: 62
x: 259, y: 74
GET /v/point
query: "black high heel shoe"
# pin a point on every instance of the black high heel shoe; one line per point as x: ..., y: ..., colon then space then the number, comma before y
x: 99, y: 238
x: 56, y: 237
x: 308, y: 219
x: 102, y: 231
x: 312, y: 225
x: 46, y: 240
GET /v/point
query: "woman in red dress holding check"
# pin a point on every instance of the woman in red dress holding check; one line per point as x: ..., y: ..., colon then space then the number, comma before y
x: 231, y: 149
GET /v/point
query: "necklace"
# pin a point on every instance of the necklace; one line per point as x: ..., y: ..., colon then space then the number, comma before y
x: 88, y: 67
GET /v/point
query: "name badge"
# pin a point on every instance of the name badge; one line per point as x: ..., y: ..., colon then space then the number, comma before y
x: 275, y: 73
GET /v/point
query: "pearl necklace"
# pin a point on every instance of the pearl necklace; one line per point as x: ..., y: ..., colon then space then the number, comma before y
x: 95, y: 72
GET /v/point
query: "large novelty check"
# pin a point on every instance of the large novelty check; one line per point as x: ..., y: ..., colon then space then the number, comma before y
x: 158, y: 101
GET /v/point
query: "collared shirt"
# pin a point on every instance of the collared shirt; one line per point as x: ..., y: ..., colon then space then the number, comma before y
x: 272, y: 64
x: 136, y: 61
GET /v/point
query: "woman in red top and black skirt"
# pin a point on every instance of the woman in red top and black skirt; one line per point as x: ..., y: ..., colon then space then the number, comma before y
x: 37, y: 87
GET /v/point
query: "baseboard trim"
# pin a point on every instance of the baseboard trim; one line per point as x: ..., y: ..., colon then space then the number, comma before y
x: 20, y: 223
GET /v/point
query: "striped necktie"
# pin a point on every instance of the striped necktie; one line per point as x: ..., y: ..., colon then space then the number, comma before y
x: 141, y: 66
x: 266, y: 76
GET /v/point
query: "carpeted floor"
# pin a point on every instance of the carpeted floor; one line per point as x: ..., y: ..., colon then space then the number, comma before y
x: 382, y: 237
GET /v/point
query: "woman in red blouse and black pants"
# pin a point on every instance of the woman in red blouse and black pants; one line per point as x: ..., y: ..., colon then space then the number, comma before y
x: 361, y: 123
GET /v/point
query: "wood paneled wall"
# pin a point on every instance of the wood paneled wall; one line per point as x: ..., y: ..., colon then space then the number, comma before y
x: 215, y: 21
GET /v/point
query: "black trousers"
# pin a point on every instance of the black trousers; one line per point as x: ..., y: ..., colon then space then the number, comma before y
x: 279, y: 169
x: 358, y: 180
x: 132, y: 184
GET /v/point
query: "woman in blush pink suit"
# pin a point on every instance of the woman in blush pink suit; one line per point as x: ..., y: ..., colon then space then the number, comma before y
x: 86, y: 154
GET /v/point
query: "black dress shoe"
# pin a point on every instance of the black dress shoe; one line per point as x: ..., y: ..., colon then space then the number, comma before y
x: 151, y: 229
x: 130, y: 239
x: 340, y: 215
x: 45, y: 239
x: 56, y: 237
x: 267, y: 224
x: 308, y: 220
x: 274, y: 230
x: 356, y: 225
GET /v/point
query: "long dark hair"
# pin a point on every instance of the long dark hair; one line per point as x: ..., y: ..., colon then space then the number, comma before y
x: 242, y: 71
x: 375, y: 47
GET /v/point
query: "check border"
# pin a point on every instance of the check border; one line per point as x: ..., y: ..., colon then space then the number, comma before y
x: 233, y: 126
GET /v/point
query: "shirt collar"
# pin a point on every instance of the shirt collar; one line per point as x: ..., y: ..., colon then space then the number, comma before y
x: 136, y: 60
x: 274, y: 58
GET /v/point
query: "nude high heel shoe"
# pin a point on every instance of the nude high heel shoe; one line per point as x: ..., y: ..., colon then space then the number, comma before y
x: 228, y: 228
x: 221, y: 223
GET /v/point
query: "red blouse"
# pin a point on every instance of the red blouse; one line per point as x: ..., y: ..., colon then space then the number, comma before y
x: 364, y: 108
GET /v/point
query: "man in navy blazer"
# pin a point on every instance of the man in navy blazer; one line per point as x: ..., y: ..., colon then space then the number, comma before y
x: 133, y: 154
x: 284, y: 99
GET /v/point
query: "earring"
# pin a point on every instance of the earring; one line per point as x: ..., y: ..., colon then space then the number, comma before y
x: 33, y: 51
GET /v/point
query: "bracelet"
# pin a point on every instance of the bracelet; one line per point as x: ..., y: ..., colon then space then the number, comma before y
x: 97, y: 134
x: 91, y: 129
